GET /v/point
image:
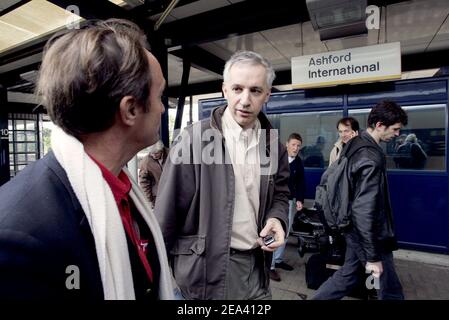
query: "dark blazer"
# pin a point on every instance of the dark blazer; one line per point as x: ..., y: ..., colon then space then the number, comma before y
x: 43, y: 230
x: 296, y: 182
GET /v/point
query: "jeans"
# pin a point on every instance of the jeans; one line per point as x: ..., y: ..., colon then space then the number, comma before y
x: 279, y: 252
x: 344, y: 279
x: 177, y: 293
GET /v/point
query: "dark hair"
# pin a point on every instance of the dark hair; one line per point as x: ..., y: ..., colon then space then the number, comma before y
x: 85, y: 74
x: 295, y: 136
x: 388, y: 113
x: 349, y: 121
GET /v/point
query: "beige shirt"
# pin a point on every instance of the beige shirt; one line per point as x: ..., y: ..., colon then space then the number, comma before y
x: 243, y: 148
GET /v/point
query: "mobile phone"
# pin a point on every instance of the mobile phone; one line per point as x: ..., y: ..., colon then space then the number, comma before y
x: 268, y: 240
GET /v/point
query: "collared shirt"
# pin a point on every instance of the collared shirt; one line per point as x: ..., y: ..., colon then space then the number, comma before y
x: 290, y: 159
x: 243, y: 148
x: 120, y: 187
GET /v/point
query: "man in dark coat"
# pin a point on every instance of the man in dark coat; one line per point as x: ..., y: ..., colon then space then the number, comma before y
x: 297, y: 186
x: 74, y: 225
x: 370, y: 239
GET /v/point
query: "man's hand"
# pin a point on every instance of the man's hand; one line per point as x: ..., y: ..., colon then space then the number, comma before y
x: 299, y: 205
x: 375, y: 268
x: 273, y: 227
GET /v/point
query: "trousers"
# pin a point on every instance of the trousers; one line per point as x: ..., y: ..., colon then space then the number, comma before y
x: 388, y: 286
x: 245, y: 279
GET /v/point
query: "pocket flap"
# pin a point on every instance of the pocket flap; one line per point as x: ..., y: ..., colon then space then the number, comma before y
x: 189, y: 244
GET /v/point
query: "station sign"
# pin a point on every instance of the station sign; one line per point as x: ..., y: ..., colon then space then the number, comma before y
x: 356, y: 65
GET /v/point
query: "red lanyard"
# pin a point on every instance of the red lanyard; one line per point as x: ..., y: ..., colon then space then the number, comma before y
x: 140, y: 244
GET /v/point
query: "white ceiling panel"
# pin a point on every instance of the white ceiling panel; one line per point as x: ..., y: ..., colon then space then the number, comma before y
x: 311, y: 40
x: 175, y: 73
x: 254, y: 42
x: 286, y: 40
x: 31, y: 20
x: 443, y: 33
x: 352, y: 42
x: 419, y: 74
x: 201, y: 76
x: 413, y: 48
x: 218, y: 50
x: 439, y: 45
x: 414, y: 22
x: 11, y: 34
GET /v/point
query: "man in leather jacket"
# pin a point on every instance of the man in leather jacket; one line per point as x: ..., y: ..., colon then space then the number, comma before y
x: 370, y: 240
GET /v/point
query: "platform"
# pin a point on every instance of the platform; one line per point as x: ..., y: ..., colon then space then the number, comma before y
x: 424, y: 276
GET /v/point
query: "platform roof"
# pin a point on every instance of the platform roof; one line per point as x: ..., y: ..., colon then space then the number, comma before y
x: 207, y: 32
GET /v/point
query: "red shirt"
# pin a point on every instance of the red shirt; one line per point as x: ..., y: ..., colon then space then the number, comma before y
x: 120, y: 187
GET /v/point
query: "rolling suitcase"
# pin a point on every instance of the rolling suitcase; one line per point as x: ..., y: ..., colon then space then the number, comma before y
x: 319, y: 268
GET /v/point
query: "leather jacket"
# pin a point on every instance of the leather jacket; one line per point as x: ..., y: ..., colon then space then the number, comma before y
x: 371, y: 214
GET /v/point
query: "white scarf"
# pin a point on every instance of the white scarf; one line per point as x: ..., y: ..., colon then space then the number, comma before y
x: 100, y: 208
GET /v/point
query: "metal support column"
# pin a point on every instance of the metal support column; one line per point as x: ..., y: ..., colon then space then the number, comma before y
x: 4, y: 137
x: 184, y: 83
x: 159, y: 50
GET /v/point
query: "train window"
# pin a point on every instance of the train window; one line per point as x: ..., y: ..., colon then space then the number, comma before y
x: 421, y: 144
x: 318, y: 131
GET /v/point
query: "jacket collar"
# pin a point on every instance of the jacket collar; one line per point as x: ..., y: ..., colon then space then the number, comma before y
x: 367, y: 137
x: 54, y: 165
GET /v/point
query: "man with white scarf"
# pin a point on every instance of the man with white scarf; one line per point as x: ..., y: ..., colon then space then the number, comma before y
x: 75, y: 224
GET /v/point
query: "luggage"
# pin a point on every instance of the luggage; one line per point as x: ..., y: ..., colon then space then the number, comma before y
x: 319, y: 269
x: 316, y: 271
x: 328, y: 247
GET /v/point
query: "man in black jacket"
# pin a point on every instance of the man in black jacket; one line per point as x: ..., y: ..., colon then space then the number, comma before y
x: 370, y: 239
x: 297, y: 186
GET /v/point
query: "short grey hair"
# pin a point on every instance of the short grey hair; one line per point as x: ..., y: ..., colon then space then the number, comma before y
x: 251, y: 58
x: 157, y: 147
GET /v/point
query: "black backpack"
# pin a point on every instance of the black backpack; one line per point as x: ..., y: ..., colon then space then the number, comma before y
x: 332, y: 194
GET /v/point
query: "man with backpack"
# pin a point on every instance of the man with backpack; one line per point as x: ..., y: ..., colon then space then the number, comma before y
x: 369, y: 233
